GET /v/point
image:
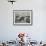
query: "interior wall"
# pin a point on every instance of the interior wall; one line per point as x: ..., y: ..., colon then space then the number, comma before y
x: 8, y: 31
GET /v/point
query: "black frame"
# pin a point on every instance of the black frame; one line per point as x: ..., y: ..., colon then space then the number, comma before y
x: 23, y: 24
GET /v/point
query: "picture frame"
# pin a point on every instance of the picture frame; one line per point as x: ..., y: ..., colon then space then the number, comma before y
x: 22, y: 17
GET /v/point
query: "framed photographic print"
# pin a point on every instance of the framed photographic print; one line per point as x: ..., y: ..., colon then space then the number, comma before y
x: 22, y: 17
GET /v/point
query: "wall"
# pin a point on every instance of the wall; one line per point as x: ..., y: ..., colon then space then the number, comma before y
x: 37, y: 31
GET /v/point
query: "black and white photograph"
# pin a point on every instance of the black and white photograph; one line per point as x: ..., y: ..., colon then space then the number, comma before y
x: 22, y: 16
